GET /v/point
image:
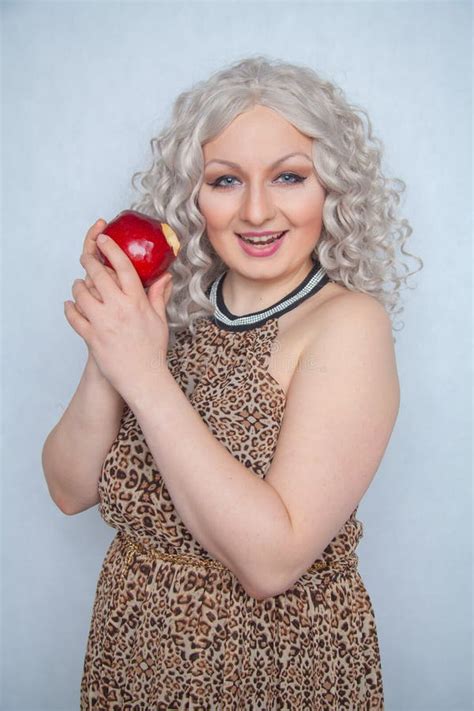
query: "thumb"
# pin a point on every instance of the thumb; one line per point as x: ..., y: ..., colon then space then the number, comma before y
x: 160, y: 292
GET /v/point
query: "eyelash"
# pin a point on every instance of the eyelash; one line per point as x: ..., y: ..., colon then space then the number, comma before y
x: 215, y: 184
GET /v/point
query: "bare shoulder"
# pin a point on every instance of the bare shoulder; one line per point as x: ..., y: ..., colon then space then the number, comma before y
x: 321, y: 326
x: 354, y: 313
x: 353, y: 328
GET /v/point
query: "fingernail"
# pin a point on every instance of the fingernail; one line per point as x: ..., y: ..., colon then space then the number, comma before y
x: 101, y: 239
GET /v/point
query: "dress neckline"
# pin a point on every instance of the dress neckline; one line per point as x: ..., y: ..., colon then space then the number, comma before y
x: 226, y: 320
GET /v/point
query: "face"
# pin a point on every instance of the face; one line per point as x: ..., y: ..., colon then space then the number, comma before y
x: 260, y: 192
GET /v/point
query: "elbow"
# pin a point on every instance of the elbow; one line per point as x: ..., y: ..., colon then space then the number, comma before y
x: 277, y: 587
x: 69, y: 510
x: 286, y: 580
x: 253, y: 585
x: 258, y: 593
x: 260, y: 589
x: 276, y: 582
x: 58, y: 500
x: 62, y: 506
x: 252, y: 590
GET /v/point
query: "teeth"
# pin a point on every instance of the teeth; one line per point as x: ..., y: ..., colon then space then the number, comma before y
x: 261, y: 242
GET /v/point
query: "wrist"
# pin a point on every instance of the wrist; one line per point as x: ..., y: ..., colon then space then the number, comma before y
x: 151, y: 388
x: 93, y: 373
x: 92, y: 370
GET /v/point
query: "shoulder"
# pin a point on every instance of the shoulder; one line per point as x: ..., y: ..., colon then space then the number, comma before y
x: 346, y: 311
x: 350, y: 333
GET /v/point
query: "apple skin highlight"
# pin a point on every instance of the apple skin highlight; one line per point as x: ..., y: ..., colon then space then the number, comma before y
x: 151, y: 245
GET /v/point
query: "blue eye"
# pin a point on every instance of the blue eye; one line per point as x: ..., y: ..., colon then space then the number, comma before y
x: 298, y: 178
x: 217, y: 182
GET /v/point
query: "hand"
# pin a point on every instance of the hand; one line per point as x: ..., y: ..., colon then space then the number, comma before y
x: 90, y: 247
x: 125, y: 328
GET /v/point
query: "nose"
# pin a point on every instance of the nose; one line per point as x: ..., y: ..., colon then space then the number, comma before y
x: 257, y: 207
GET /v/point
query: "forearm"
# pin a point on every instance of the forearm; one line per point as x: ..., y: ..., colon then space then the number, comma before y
x: 237, y: 517
x: 75, y: 449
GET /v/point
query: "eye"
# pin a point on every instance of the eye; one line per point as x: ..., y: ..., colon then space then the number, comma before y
x: 217, y: 182
x: 298, y: 178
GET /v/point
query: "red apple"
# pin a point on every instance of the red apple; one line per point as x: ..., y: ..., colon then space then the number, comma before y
x: 150, y: 245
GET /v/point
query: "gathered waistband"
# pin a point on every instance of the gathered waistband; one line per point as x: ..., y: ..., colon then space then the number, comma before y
x: 132, y: 547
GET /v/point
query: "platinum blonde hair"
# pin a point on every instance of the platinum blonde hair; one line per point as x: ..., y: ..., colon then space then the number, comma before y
x: 361, y: 230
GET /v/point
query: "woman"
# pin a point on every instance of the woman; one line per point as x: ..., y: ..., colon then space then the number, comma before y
x: 242, y: 409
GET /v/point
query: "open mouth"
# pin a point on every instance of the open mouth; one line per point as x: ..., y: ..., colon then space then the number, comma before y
x: 258, y: 241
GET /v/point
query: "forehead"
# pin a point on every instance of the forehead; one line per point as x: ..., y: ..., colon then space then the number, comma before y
x: 261, y: 132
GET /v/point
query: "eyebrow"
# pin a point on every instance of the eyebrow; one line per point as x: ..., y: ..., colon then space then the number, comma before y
x: 273, y: 165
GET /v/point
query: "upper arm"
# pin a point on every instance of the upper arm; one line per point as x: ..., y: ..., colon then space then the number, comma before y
x: 341, y: 407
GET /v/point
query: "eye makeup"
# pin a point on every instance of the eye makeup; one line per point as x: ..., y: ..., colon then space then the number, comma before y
x: 297, y: 179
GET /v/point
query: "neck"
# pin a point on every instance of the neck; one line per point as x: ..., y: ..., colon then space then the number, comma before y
x: 242, y: 295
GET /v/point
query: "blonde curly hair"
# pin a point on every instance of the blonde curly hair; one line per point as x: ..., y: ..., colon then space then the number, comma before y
x: 361, y: 230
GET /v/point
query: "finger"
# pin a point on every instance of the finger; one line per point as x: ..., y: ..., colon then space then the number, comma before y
x: 79, y: 309
x: 95, y: 293
x: 159, y: 294
x: 86, y: 301
x: 80, y: 325
x: 92, y: 290
x: 93, y: 232
x: 101, y: 277
x: 129, y: 281
x: 89, y: 283
x: 113, y: 274
x: 168, y: 291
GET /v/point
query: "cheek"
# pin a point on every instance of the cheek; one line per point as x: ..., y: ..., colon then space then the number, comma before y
x: 215, y: 210
x: 310, y: 208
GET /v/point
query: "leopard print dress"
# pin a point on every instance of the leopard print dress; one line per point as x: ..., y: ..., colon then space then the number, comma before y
x: 174, y: 629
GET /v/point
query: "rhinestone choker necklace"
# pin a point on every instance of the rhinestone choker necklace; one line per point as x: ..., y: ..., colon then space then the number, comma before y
x: 313, y: 281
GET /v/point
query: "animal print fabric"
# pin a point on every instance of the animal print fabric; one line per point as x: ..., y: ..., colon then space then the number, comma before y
x: 168, y: 635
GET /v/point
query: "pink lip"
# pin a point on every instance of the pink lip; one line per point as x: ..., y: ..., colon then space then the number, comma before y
x: 260, y: 234
x: 267, y: 251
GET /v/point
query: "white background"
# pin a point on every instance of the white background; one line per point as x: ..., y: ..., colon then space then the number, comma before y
x: 85, y: 87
